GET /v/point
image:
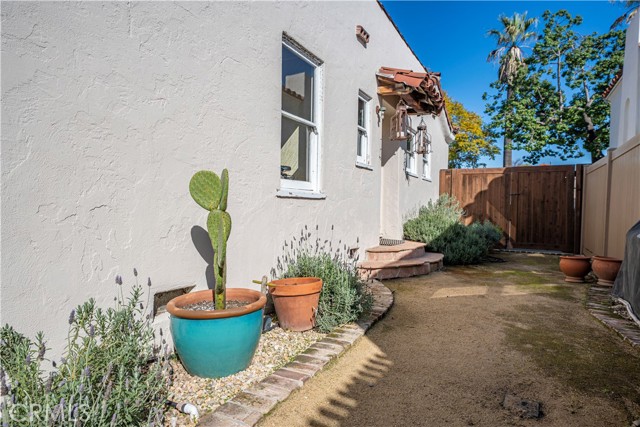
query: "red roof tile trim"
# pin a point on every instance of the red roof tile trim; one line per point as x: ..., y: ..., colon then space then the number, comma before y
x: 612, y: 84
x: 421, y: 91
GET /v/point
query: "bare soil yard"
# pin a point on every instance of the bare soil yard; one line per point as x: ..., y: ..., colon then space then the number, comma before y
x: 457, y: 341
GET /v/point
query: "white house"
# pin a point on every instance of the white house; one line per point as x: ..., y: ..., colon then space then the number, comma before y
x: 108, y: 109
x: 624, y: 91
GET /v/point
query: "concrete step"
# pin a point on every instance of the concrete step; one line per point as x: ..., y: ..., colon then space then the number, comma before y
x: 407, y: 250
x: 382, y: 270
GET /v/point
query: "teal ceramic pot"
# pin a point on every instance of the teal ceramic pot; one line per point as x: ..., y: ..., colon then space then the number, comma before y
x: 215, y: 344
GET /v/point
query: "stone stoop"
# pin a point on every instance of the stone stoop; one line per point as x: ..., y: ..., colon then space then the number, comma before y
x: 392, y: 262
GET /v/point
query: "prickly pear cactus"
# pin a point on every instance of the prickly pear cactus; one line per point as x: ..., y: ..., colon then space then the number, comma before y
x: 210, y: 191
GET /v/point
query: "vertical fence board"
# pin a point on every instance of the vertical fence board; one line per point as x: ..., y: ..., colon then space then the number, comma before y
x: 534, y: 206
x: 611, y: 200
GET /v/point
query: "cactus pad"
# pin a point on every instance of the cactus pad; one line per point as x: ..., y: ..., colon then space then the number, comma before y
x: 213, y: 226
x: 224, y: 178
x: 206, y: 189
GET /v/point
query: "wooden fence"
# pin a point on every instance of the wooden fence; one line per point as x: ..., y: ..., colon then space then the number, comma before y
x: 611, y: 202
x: 537, y: 207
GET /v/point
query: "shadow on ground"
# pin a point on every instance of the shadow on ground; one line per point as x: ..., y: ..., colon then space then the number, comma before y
x: 457, y: 341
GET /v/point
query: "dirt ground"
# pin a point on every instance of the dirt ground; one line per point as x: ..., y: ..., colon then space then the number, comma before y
x: 456, y: 341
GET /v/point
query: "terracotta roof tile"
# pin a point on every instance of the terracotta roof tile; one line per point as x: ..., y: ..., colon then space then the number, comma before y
x: 612, y: 84
x: 422, y: 91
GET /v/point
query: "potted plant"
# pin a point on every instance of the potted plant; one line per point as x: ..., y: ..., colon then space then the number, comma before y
x: 575, y: 267
x: 296, y: 301
x: 606, y: 268
x: 216, y: 332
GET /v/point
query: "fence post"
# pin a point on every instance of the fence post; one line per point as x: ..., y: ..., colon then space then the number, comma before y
x: 577, y: 209
x: 607, y: 202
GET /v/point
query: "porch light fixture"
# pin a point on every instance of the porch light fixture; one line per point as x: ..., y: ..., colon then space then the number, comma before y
x: 400, y: 122
x: 422, y: 143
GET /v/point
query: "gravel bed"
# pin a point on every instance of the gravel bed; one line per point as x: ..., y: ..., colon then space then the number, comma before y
x: 276, y: 348
x: 211, y: 306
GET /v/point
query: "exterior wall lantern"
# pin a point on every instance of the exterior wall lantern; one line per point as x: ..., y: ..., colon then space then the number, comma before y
x: 422, y: 143
x: 400, y: 122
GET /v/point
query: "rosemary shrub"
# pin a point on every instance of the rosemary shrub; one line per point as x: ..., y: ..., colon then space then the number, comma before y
x: 438, y: 224
x: 344, y: 295
x: 111, y: 373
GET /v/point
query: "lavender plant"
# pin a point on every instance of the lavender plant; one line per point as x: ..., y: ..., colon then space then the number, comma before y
x: 344, y: 295
x: 111, y: 374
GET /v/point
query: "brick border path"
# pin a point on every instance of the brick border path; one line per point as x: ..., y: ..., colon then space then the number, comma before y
x: 249, y: 406
x: 599, y: 301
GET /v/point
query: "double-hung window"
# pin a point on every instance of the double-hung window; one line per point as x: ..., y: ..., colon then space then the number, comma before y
x: 426, y: 161
x: 410, y: 163
x: 301, y: 115
x: 363, y: 149
x: 426, y: 166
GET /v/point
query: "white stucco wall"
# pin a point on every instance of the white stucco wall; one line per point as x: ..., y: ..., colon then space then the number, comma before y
x: 109, y: 108
x: 615, y: 101
x: 625, y: 98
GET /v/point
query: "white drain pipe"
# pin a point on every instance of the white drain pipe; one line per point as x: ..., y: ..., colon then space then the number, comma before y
x: 185, y: 408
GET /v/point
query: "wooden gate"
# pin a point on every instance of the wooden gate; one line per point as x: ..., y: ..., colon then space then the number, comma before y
x: 537, y: 207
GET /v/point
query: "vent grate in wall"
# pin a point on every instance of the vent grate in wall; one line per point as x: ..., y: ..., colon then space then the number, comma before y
x: 390, y: 242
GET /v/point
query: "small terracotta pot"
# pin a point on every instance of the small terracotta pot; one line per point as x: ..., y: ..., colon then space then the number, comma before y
x: 575, y: 268
x: 296, y: 301
x: 606, y: 268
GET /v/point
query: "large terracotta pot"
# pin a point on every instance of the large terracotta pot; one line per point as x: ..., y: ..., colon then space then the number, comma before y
x: 575, y: 268
x: 296, y: 301
x: 217, y: 343
x: 606, y: 269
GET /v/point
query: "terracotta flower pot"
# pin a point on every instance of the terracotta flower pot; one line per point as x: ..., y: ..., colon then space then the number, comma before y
x: 575, y: 268
x: 606, y: 269
x: 296, y: 302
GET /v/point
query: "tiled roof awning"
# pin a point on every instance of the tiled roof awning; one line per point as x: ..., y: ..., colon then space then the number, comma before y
x: 612, y: 84
x: 421, y: 91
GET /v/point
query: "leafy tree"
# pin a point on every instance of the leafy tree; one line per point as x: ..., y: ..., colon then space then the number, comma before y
x: 471, y: 143
x: 555, y: 105
x: 632, y: 9
x: 510, y: 40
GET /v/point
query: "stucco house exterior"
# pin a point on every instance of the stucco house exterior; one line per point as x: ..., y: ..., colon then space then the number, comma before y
x: 624, y: 92
x: 108, y: 109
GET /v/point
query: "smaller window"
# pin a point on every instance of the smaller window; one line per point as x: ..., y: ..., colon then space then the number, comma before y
x: 410, y: 164
x: 363, y: 149
x: 426, y: 166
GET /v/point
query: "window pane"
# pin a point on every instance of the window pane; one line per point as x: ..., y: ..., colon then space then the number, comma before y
x: 294, y: 150
x: 297, y: 85
x: 361, y: 112
x: 361, y: 143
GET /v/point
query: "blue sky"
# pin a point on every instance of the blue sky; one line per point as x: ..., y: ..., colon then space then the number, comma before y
x: 450, y: 37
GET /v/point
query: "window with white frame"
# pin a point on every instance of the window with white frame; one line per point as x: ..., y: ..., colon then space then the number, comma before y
x: 301, y: 114
x: 410, y: 163
x: 363, y: 149
x: 426, y: 165
x: 426, y: 160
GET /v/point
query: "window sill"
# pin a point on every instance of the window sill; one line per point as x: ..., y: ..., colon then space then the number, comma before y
x: 364, y: 166
x: 427, y: 179
x: 290, y: 193
x: 415, y: 175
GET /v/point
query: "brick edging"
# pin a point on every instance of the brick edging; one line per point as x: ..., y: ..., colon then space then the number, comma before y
x: 599, y: 305
x: 248, y: 407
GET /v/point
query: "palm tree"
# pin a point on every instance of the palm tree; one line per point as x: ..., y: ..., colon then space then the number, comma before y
x: 510, y: 41
x: 632, y: 9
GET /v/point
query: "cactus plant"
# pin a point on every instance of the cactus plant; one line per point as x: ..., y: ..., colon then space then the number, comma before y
x: 210, y: 191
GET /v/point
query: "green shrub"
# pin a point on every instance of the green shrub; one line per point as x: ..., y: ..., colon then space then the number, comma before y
x: 344, y: 295
x: 433, y: 219
x: 438, y: 225
x: 111, y: 373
